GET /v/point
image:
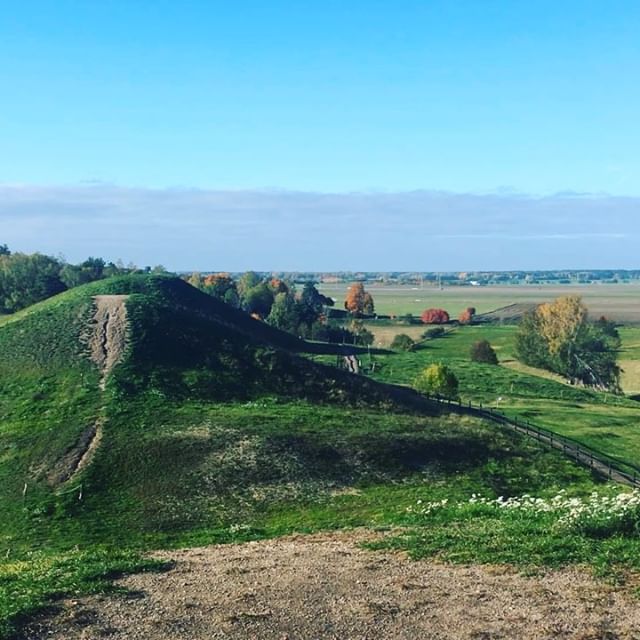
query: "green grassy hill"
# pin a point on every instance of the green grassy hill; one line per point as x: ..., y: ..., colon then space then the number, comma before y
x: 209, y: 429
x: 186, y: 355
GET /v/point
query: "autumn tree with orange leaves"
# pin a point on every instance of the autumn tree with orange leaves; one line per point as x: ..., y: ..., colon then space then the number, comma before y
x: 435, y: 316
x: 221, y: 286
x: 466, y: 317
x: 358, y: 300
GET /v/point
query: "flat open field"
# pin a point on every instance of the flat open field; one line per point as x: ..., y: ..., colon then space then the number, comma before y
x: 619, y: 302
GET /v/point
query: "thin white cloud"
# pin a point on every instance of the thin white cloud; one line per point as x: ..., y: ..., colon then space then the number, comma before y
x: 277, y: 229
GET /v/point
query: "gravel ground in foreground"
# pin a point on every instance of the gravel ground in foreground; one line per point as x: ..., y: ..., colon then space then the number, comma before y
x: 325, y: 586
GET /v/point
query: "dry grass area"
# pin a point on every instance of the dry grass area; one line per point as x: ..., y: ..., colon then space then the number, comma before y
x: 383, y: 336
x: 326, y: 586
x: 631, y: 376
x: 516, y: 365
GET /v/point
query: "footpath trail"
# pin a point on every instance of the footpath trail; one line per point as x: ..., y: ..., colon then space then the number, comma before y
x: 325, y: 586
x: 107, y: 342
x: 108, y: 339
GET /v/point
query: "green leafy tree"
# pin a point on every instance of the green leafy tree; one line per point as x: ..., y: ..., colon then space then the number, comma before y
x: 608, y: 329
x: 437, y: 380
x: 311, y: 306
x: 530, y: 346
x: 221, y: 286
x: 285, y: 313
x: 88, y: 271
x: 232, y: 298
x: 246, y: 282
x: 258, y: 300
x: 362, y: 335
x: 27, y: 279
x: 331, y: 332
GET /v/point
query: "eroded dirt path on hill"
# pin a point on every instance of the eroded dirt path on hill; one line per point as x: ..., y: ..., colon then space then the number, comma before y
x: 325, y: 586
x: 109, y: 338
x: 107, y: 343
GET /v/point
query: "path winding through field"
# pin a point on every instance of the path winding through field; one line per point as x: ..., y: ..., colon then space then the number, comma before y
x: 326, y: 586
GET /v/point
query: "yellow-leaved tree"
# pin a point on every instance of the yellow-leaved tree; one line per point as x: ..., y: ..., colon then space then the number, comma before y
x: 561, y: 321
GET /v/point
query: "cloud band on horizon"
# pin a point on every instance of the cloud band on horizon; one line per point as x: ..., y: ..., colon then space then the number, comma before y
x: 229, y: 230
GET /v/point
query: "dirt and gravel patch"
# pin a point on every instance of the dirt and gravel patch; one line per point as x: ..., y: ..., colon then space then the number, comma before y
x: 109, y: 337
x: 107, y: 342
x: 326, y: 586
x: 77, y: 457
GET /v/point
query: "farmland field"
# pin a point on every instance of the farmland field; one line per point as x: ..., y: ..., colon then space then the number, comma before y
x: 619, y: 302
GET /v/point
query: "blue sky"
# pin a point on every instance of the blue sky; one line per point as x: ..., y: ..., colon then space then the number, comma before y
x: 512, y: 99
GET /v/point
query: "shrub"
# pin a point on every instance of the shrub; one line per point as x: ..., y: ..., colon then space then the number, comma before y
x: 438, y: 380
x: 331, y: 332
x: 403, y: 342
x: 435, y: 316
x: 483, y: 352
x: 434, y: 332
x: 466, y: 317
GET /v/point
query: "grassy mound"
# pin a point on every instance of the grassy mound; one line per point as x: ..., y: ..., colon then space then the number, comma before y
x: 183, y: 350
x: 213, y: 429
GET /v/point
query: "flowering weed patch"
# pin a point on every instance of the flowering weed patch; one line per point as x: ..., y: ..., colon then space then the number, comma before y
x: 599, y: 529
x: 596, y: 515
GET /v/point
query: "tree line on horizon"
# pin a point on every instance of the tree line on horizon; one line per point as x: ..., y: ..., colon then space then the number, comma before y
x: 27, y: 278
x: 556, y: 336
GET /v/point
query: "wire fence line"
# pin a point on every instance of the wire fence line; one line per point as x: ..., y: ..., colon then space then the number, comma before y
x: 598, y: 461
